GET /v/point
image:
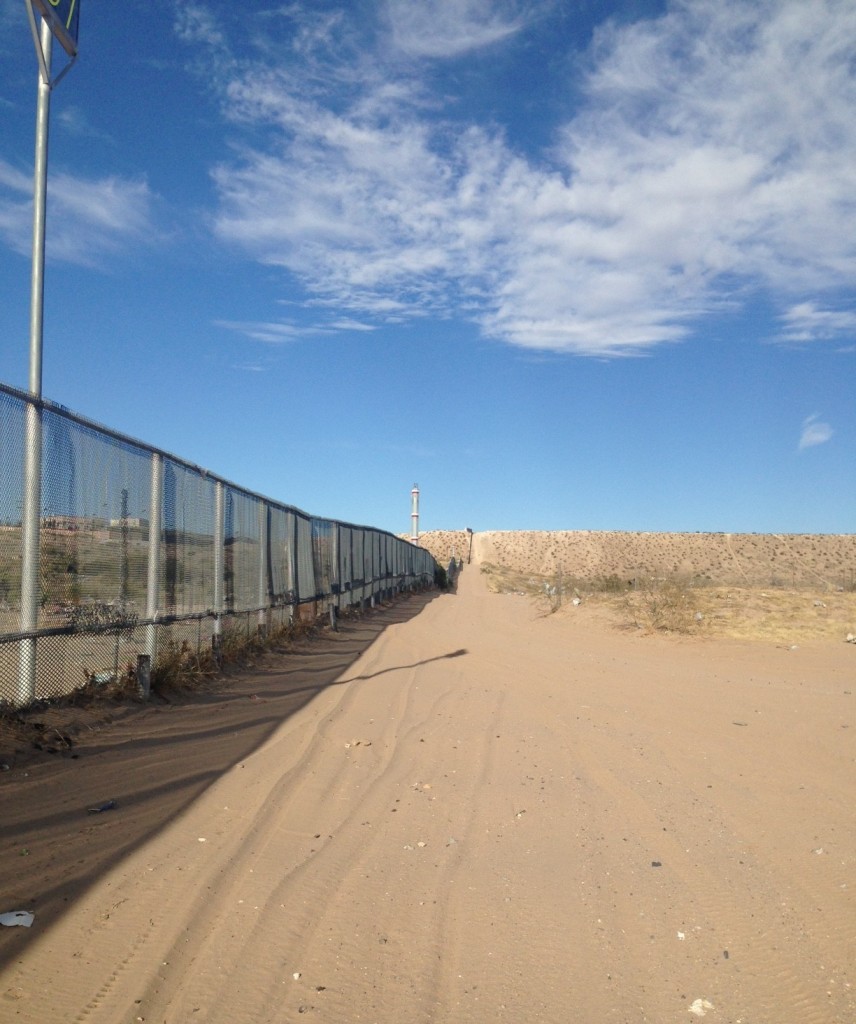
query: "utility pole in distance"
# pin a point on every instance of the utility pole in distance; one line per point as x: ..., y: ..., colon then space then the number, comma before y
x: 415, y: 514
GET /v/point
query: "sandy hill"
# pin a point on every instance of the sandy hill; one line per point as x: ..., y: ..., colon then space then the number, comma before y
x: 815, y: 560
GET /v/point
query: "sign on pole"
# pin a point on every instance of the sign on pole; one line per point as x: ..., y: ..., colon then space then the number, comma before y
x: 62, y: 16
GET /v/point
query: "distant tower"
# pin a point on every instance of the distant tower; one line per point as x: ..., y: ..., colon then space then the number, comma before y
x: 414, y: 515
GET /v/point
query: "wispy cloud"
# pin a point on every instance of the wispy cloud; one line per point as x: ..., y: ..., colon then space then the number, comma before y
x: 75, y: 121
x: 270, y: 332
x: 89, y: 219
x: 713, y: 156
x: 449, y: 28
x: 278, y: 332
x: 814, y: 432
x: 194, y: 23
x: 805, y: 322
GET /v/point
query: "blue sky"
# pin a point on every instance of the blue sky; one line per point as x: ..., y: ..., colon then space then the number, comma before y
x: 567, y: 264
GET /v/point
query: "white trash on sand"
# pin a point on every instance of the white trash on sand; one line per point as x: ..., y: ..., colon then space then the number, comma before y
x: 22, y: 918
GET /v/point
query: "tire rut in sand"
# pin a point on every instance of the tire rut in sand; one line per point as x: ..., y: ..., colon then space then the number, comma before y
x: 252, y: 972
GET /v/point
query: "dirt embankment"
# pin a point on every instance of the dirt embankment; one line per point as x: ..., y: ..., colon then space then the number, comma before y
x: 749, y: 559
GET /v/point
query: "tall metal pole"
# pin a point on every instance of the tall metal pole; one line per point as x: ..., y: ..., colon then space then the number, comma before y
x: 32, y: 498
x: 414, y: 514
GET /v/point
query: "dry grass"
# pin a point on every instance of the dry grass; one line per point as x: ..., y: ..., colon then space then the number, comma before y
x: 680, y: 605
x: 181, y: 668
x: 781, y: 616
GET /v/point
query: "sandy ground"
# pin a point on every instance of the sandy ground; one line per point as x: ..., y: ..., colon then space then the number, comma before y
x: 452, y: 811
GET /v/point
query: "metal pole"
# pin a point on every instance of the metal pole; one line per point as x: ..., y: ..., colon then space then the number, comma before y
x: 32, y: 497
x: 414, y: 514
x: 153, y: 586
x: 264, y: 594
x: 219, y: 545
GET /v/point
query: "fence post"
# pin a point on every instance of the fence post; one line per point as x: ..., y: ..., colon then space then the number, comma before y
x: 30, y: 567
x: 144, y: 675
x: 264, y: 590
x: 219, y: 546
x: 294, y: 612
x: 153, y: 582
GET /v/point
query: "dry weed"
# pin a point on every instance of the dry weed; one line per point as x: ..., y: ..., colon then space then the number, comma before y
x: 690, y: 606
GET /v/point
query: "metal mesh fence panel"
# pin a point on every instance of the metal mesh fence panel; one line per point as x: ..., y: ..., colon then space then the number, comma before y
x: 132, y: 551
x: 243, y: 553
x: 283, y: 570
x: 188, y: 540
x: 345, y: 557
x: 324, y: 556
x: 306, y: 587
x: 94, y: 524
x: 11, y: 493
x: 358, y: 555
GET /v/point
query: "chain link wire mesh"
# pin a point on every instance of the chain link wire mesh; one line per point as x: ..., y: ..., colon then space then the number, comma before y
x: 141, y: 553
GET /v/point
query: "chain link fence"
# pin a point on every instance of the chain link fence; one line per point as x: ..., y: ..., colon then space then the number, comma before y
x: 136, y: 548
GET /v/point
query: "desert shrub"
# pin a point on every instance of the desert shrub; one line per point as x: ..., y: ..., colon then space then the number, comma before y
x: 611, y: 584
x: 668, y: 605
x: 179, y: 666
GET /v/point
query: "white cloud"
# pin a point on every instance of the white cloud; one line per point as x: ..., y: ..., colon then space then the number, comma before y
x: 805, y: 322
x: 814, y: 432
x: 87, y: 220
x: 449, y: 28
x: 75, y: 121
x: 713, y: 155
x: 277, y: 332
x: 272, y: 333
x: 196, y: 24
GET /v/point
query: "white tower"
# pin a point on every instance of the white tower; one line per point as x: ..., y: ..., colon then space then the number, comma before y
x: 414, y: 515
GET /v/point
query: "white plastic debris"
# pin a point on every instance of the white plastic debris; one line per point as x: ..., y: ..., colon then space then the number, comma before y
x: 22, y: 918
x: 699, y: 1007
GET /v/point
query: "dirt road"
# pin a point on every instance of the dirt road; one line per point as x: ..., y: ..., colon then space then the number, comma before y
x: 489, y: 816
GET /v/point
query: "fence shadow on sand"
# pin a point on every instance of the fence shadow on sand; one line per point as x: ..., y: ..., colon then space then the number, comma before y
x: 153, y: 764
